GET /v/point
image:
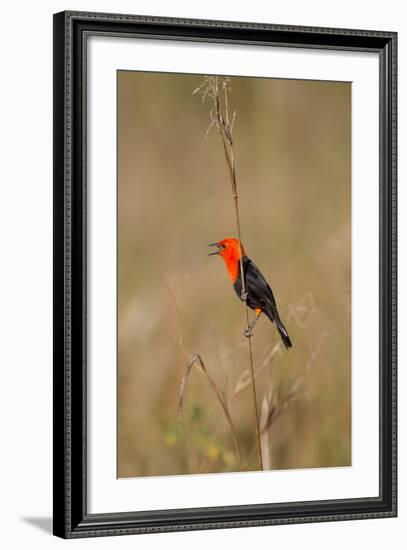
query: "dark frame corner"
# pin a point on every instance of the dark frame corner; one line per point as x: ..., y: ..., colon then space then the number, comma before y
x: 70, y: 500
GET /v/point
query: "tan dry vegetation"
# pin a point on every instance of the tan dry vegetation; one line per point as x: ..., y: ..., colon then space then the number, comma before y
x: 292, y: 148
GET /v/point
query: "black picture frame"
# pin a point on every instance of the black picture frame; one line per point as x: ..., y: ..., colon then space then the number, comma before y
x: 71, y: 518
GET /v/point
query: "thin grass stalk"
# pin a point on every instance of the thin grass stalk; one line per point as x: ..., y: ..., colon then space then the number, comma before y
x: 224, y: 129
x: 196, y: 359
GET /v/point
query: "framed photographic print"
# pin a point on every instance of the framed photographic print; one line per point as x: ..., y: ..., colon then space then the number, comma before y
x: 224, y: 274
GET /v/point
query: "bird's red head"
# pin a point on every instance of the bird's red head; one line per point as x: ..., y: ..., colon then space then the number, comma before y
x: 229, y: 250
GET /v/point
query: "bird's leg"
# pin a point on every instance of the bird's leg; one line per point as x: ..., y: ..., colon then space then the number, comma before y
x: 249, y: 331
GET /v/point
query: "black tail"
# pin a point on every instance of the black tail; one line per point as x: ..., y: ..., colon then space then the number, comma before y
x: 284, y: 334
x: 275, y: 318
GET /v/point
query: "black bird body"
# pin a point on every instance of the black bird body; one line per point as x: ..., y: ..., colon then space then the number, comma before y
x: 260, y: 296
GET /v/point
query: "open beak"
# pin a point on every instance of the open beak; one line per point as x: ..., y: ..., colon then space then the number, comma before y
x: 216, y: 251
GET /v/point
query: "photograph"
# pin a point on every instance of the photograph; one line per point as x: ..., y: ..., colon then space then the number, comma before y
x: 234, y: 274
x: 225, y: 273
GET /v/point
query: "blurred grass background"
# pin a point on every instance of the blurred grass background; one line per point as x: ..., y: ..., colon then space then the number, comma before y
x: 292, y: 142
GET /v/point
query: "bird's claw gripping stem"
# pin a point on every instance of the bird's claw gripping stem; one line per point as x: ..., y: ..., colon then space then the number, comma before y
x: 243, y: 295
x: 249, y: 330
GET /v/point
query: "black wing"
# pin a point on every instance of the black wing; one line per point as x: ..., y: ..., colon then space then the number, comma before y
x: 259, y: 293
x: 259, y: 290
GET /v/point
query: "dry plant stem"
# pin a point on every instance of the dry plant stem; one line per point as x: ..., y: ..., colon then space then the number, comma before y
x: 245, y: 379
x: 196, y: 359
x: 258, y: 437
x: 277, y: 409
x: 225, y: 130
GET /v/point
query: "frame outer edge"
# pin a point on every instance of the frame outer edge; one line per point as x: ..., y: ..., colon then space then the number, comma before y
x: 166, y: 20
x: 63, y: 169
x: 394, y: 140
x: 60, y: 449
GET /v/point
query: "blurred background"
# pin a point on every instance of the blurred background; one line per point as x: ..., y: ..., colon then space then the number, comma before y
x: 292, y: 146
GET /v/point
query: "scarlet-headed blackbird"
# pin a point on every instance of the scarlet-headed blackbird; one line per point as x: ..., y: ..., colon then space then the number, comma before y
x: 259, y: 295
